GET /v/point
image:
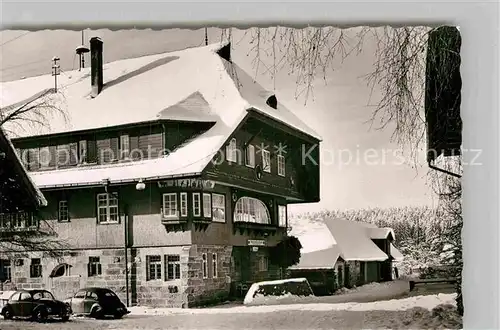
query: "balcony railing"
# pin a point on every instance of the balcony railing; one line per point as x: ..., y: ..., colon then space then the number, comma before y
x: 18, y: 221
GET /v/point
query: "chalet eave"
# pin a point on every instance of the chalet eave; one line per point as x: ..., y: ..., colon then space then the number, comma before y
x: 95, y: 184
x: 215, y: 178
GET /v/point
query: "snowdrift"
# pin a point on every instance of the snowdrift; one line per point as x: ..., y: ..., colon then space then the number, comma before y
x: 288, y: 290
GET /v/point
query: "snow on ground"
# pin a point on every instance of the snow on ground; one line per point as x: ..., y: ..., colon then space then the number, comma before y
x: 427, y: 302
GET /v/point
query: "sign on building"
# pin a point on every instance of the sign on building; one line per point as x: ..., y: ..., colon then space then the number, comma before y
x: 187, y: 183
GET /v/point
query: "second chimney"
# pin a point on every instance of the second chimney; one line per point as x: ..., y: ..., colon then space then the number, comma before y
x: 96, y: 66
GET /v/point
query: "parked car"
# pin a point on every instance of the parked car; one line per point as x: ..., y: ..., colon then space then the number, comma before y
x: 97, y: 303
x: 37, y: 305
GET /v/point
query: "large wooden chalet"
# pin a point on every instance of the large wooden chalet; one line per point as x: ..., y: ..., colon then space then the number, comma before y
x: 168, y: 176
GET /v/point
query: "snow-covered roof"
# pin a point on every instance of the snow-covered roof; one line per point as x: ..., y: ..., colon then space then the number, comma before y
x: 381, y: 233
x: 194, y: 84
x: 315, y: 238
x: 323, y: 259
x: 396, y: 254
x: 11, y: 152
x: 139, y: 89
x: 354, y: 241
x: 324, y: 242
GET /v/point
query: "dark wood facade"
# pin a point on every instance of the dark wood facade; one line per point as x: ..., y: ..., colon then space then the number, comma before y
x: 228, y: 217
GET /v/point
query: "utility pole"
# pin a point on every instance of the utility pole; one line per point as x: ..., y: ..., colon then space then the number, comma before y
x: 55, y: 70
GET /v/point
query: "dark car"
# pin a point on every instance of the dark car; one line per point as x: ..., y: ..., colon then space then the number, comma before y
x: 37, y: 305
x: 97, y: 303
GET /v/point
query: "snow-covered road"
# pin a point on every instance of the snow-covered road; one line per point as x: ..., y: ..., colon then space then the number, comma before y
x: 413, y: 312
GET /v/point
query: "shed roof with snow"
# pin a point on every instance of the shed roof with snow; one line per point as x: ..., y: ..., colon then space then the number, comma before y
x: 348, y: 240
x: 195, y: 84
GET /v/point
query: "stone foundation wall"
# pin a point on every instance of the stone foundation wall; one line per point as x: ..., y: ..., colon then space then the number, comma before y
x: 211, y: 289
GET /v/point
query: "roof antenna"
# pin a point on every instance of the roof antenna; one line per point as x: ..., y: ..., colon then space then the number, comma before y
x: 55, y: 71
x: 80, y: 51
x: 206, y: 37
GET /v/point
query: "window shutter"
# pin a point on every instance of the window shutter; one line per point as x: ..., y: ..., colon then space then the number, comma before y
x: 52, y: 152
x: 114, y: 148
x: 147, y: 269
x: 88, y: 269
x: 99, y: 270
x: 91, y: 151
x: 134, y: 147
x: 73, y: 153
x: 165, y: 268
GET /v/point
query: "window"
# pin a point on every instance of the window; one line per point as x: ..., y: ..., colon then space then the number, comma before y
x: 107, y: 208
x: 263, y: 264
x: 250, y: 156
x: 173, y: 267
x: 219, y: 207
x: 82, y: 152
x: 196, y: 205
x: 92, y: 295
x: 207, y: 205
x: 184, y: 204
x: 250, y: 209
x: 281, y: 165
x: 36, y: 268
x: 282, y: 216
x: 25, y: 296
x: 94, y: 266
x: 214, y: 265
x: 67, y: 270
x: 63, y: 215
x: 18, y: 219
x: 266, y: 161
x: 153, y: 268
x: 204, y: 265
x: 231, y: 151
x: 5, y: 270
x: 124, y: 146
x: 170, y: 205
x: 80, y: 294
x: 15, y: 297
x: 45, y: 157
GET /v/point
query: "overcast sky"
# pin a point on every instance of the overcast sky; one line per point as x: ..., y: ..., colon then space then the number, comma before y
x: 375, y: 176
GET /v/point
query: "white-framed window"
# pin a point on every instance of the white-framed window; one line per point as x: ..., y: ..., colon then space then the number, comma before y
x: 6, y: 270
x: 214, y: 265
x: 124, y: 146
x: 204, y: 264
x: 63, y: 211
x: 196, y: 204
x: 82, y: 151
x: 36, y: 268
x: 250, y: 156
x: 107, y: 207
x: 218, y: 208
x: 231, y: 151
x: 281, y: 165
x: 94, y: 266
x: 207, y: 205
x: 184, y: 204
x: 172, y: 267
x: 45, y: 157
x: 266, y: 161
x: 170, y: 205
x: 249, y: 209
x: 153, y: 268
x: 282, y: 216
x: 263, y: 264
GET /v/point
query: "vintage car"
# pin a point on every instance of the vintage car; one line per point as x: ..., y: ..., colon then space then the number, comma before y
x: 97, y: 303
x: 37, y: 305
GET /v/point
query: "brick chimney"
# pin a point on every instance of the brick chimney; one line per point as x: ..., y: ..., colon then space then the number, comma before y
x: 96, y: 65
